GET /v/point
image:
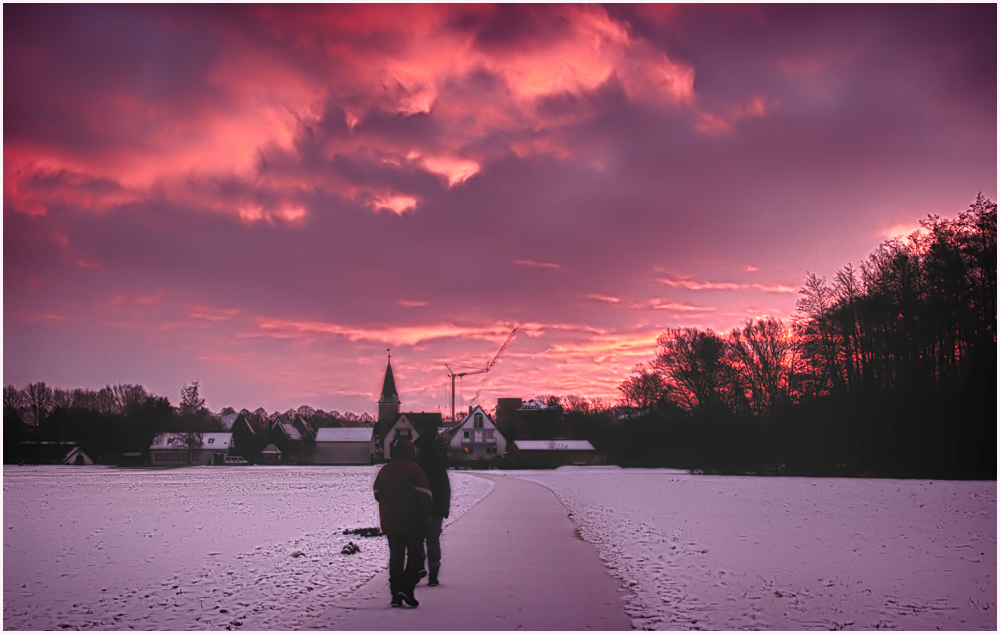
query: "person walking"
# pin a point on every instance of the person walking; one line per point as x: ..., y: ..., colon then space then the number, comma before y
x: 404, y: 504
x: 435, y: 467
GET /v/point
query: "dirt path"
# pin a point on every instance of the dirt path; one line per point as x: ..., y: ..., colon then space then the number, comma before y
x: 512, y: 562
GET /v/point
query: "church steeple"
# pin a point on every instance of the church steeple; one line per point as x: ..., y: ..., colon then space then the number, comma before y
x: 388, y: 405
x: 389, y: 386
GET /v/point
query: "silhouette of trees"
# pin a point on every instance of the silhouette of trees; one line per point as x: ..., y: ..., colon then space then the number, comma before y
x: 693, y: 368
x: 889, y: 368
x: 643, y: 390
x: 12, y: 397
x: 39, y: 398
x: 764, y: 354
x: 191, y: 403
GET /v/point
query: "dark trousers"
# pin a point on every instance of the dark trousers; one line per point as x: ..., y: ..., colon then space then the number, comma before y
x: 408, y: 549
x: 433, y: 532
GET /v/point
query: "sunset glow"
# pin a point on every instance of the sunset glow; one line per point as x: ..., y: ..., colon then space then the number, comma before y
x: 265, y: 199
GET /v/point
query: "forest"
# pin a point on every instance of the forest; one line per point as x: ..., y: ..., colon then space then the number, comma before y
x: 889, y: 369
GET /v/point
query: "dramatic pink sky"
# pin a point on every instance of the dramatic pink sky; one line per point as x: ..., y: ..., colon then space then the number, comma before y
x: 264, y: 199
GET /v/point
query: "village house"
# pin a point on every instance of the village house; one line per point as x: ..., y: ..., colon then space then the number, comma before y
x: 342, y: 445
x: 246, y: 441
x: 270, y: 455
x: 547, y: 454
x: 412, y: 426
x: 476, y: 438
x: 53, y: 452
x: 287, y: 437
x: 174, y: 449
x: 531, y: 419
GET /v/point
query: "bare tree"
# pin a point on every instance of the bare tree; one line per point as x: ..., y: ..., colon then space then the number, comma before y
x: 191, y: 403
x: 39, y: 398
x: 574, y: 403
x: 766, y: 354
x: 128, y: 398
x: 84, y: 399
x: 62, y: 398
x: 693, y: 362
x: 12, y: 397
x: 643, y: 390
x: 104, y: 400
x: 818, y: 334
x: 305, y: 411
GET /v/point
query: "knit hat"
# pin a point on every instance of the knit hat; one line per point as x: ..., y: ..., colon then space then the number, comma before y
x: 401, y: 448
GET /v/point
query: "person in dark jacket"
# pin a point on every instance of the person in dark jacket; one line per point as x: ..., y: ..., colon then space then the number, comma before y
x: 404, y: 504
x: 435, y: 466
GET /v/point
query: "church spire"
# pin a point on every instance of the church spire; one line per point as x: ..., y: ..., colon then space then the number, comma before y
x: 389, y: 386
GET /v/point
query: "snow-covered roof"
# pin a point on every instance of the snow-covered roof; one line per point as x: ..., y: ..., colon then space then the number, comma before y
x: 534, y: 404
x: 553, y: 445
x: 229, y: 419
x: 209, y: 440
x: 344, y: 434
x: 270, y: 449
x: 290, y: 431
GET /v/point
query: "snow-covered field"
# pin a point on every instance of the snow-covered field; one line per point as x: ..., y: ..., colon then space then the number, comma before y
x: 252, y: 548
x: 258, y: 548
x: 731, y: 553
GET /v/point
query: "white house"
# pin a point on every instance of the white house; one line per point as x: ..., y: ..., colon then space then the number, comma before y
x: 343, y: 445
x: 553, y: 453
x: 402, y: 428
x: 171, y: 449
x: 476, y: 437
x: 76, y: 457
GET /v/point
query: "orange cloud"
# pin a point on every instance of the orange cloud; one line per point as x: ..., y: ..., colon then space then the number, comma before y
x: 691, y: 284
x: 403, y: 335
x: 396, y: 203
x: 712, y: 124
x: 543, y: 265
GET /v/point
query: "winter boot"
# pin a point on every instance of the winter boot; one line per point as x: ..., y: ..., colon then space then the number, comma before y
x: 432, y: 580
x: 397, y: 600
x: 409, y: 598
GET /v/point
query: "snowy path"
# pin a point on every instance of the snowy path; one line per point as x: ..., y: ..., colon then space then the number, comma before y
x: 512, y: 562
x: 738, y: 553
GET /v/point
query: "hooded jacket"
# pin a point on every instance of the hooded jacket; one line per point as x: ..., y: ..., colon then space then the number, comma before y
x: 403, y: 493
x: 435, y: 467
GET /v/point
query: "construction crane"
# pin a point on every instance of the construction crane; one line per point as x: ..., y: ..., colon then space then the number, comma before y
x: 488, y: 367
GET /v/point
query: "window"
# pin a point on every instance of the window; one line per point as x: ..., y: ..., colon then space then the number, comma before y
x: 465, y: 435
x: 477, y: 423
x: 211, y: 440
x: 491, y: 450
x: 402, y: 432
x: 158, y: 456
x: 489, y: 434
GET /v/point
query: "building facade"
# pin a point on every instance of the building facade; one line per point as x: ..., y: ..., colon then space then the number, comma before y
x: 175, y: 449
x: 476, y: 438
x: 343, y: 445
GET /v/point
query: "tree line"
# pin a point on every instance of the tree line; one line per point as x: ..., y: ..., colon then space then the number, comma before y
x: 124, y: 418
x: 888, y: 369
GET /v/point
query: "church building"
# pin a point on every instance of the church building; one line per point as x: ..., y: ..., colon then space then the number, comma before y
x: 392, y: 424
